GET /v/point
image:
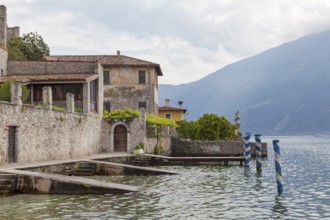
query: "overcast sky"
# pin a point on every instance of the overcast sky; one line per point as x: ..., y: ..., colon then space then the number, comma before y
x: 188, y: 38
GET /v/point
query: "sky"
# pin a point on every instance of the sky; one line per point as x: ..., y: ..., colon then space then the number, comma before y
x: 188, y: 38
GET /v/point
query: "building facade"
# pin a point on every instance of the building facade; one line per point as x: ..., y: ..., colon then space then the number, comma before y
x: 127, y: 81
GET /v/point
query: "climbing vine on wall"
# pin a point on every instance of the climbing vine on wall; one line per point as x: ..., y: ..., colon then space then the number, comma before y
x: 121, y: 113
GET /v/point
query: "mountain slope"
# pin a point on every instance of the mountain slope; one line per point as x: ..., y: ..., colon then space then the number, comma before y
x: 284, y: 90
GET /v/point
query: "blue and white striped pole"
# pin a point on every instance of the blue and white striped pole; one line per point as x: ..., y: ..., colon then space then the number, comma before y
x: 247, y: 150
x: 278, y: 167
x: 258, y: 152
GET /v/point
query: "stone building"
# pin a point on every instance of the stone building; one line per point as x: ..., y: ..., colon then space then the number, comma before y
x: 128, y: 82
x: 173, y: 113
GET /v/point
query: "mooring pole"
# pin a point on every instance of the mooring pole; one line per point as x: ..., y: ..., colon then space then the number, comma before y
x: 278, y: 168
x: 258, y: 152
x: 247, y: 150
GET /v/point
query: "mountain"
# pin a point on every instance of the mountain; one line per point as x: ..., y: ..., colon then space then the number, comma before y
x: 282, y: 91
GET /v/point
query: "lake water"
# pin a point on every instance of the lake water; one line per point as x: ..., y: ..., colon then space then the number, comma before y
x: 204, y: 192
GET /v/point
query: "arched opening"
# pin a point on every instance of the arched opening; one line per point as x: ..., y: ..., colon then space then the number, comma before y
x: 120, y: 138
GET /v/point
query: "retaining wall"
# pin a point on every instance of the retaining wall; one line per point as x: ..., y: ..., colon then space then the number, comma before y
x: 44, y: 134
x: 211, y: 148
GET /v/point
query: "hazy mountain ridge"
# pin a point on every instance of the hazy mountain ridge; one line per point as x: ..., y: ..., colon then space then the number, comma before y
x: 284, y: 90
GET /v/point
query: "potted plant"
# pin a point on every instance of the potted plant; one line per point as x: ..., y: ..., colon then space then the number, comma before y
x: 138, y: 149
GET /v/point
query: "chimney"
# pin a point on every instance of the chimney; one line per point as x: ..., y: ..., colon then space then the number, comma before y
x: 118, y: 52
x: 167, y: 102
x: 180, y: 103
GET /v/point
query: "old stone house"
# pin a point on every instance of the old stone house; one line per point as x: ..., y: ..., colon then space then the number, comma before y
x: 128, y: 82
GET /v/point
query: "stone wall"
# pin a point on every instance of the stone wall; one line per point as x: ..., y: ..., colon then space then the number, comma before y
x: 206, y: 148
x: 211, y: 148
x: 163, y: 141
x: 44, y: 135
x: 151, y: 144
x: 51, y: 67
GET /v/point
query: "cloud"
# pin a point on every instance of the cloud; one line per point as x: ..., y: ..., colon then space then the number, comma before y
x: 190, y: 39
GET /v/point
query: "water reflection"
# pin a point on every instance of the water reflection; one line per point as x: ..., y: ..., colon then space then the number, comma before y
x: 279, y: 210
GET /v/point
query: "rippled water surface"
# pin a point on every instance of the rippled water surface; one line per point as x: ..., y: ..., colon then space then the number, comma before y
x: 204, y: 192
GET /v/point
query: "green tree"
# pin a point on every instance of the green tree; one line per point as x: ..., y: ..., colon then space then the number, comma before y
x: 29, y: 47
x: 5, y: 91
x: 209, y: 127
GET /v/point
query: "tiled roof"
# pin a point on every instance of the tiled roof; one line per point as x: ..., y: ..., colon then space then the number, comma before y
x: 167, y: 108
x: 50, y: 77
x: 107, y: 60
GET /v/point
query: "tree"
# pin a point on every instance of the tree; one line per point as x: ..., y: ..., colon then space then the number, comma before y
x: 209, y: 127
x: 29, y: 47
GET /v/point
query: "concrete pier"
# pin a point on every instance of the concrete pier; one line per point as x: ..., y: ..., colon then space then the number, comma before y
x: 48, y: 183
x: 52, y: 177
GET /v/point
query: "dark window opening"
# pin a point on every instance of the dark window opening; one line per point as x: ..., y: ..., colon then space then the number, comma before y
x: 107, y: 106
x: 59, y: 91
x: 93, y: 95
x: 106, y: 77
x: 168, y: 115
x: 142, y: 76
x: 12, y: 148
x: 142, y: 105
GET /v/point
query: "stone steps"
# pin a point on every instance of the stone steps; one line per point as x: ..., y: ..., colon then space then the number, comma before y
x: 7, y: 184
x: 142, y: 160
x: 85, y: 169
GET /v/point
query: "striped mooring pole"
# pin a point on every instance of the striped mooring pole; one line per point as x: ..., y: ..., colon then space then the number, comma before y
x: 278, y: 168
x: 247, y: 150
x: 258, y: 152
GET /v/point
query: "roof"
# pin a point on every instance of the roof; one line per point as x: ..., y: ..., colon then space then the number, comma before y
x: 167, y: 108
x: 50, y: 77
x: 108, y: 60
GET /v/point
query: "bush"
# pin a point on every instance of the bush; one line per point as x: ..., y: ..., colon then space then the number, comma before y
x: 209, y: 127
x: 139, y: 146
x: 5, y: 94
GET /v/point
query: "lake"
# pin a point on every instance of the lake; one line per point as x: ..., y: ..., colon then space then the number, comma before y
x: 204, y: 192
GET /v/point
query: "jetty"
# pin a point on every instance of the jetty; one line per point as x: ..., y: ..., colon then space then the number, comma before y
x: 62, y: 177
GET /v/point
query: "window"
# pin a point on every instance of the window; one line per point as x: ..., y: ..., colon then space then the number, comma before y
x: 168, y: 115
x: 142, y: 76
x: 93, y: 95
x: 1, y: 72
x: 107, y: 106
x: 106, y: 77
x: 142, y: 105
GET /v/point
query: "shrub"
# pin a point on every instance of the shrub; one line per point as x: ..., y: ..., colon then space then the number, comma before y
x: 5, y: 94
x: 209, y: 127
x: 139, y: 146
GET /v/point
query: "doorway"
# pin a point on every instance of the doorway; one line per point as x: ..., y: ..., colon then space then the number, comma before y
x: 120, y: 138
x: 12, y: 149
